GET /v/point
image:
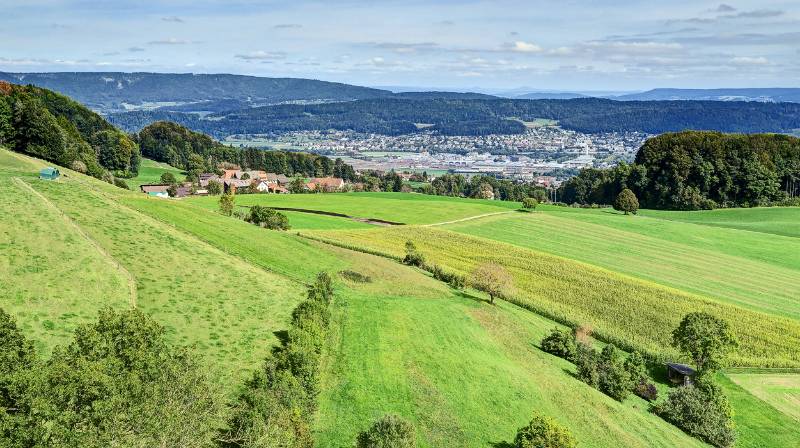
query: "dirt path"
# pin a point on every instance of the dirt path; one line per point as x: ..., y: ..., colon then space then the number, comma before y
x: 468, y: 218
x: 106, y: 255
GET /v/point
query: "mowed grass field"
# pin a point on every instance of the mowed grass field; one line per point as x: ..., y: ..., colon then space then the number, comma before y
x: 610, y: 241
x: 775, y: 220
x: 396, y: 207
x: 779, y: 390
x: 226, y: 308
x: 465, y: 372
x: 150, y: 172
x: 628, y: 311
x: 51, y: 278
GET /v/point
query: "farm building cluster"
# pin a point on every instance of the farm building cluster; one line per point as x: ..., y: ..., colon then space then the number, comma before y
x: 243, y: 181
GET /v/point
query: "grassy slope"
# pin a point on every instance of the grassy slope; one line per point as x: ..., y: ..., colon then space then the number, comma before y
x: 758, y: 423
x: 224, y: 306
x: 618, y: 307
x: 780, y: 390
x: 690, y: 267
x: 776, y: 220
x: 398, y: 207
x: 51, y: 278
x: 465, y: 371
x: 150, y: 172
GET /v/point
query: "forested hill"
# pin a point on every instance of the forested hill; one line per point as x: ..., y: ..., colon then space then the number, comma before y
x: 195, y: 152
x: 113, y: 91
x: 50, y: 126
x: 699, y: 170
x: 486, y: 116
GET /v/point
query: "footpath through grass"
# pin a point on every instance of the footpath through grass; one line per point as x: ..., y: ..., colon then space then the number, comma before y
x: 625, y: 244
x: 225, y: 307
x: 51, y: 278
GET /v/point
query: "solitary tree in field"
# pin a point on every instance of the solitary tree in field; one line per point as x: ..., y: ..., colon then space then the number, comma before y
x: 706, y: 339
x: 626, y: 202
x: 529, y: 203
x: 543, y: 431
x: 492, y: 279
x: 168, y: 178
x: 226, y: 204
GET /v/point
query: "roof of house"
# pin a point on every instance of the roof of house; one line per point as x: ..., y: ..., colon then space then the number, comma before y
x: 237, y: 182
x: 230, y: 174
x: 683, y: 369
x: 280, y: 178
x: 327, y: 182
x: 154, y: 188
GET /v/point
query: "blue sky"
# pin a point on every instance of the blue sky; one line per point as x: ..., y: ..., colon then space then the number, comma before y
x: 504, y: 44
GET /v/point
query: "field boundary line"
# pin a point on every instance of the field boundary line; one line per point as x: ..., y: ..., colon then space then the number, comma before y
x: 468, y: 218
x: 106, y: 255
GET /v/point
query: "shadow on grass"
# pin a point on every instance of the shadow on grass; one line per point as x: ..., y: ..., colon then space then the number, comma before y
x: 502, y: 444
x: 466, y: 295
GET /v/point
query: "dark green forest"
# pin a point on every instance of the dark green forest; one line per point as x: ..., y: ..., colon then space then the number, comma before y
x: 393, y: 116
x: 50, y: 126
x: 698, y: 170
x: 195, y: 152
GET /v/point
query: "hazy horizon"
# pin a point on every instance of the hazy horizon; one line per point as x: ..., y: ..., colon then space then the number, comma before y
x: 453, y: 45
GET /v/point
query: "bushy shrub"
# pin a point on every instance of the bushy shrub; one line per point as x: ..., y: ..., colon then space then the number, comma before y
x: 626, y: 202
x: 529, y: 203
x: 646, y: 390
x: 78, y: 166
x: 226, y: 202
x: 413, y: 256
x: 636, y: 367
x: 354, y: 276
x: 586, y: 362
x: 543, y: 432
x: 121, y: 183
x: 560, y: 343
x: 702, y: 411
x: 390, y: 431
x: 268, y: 218
x: 615, y: 381
x: 214, y: 188
x: 168, y: 178
x: 454, y: 280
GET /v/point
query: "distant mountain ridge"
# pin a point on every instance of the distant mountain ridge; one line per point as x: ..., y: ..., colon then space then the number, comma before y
x: 109, y: 92
x: 764, y: 95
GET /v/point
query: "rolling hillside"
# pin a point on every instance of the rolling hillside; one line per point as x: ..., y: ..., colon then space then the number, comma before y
x: 465, y: 372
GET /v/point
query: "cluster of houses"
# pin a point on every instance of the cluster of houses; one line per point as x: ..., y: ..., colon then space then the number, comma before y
x: 251, y: 181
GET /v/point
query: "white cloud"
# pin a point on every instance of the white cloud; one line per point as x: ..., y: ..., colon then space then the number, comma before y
x: 747, y: 60
x: 170, y: 41
x: 525, y: 47
x: 174, y: 19
x: 261, y: 55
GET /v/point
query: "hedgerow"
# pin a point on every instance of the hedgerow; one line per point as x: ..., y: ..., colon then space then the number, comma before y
x: 277, y: 405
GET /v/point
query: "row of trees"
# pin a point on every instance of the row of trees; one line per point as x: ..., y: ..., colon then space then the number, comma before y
x: 52, y: 127
x: 699, y: 170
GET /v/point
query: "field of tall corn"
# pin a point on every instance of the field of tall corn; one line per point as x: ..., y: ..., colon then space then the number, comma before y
x: 632, y: 313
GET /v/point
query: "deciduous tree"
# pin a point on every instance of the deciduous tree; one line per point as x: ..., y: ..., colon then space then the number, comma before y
x: 493, y: 279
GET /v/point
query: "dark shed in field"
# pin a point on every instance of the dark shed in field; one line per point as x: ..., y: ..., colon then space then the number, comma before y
x: 49, y: 173
x: 680, y: 373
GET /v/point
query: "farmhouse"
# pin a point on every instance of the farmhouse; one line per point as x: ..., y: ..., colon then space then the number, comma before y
x: 49, y: 173
x: 280, y: 179
x: 157, y: 190
x: 325, y: 184
x: 231, y: 185
x: 680, y: 373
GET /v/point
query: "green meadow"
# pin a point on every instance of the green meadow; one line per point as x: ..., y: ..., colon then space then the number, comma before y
x: 774, y: 220
x: 150, y: 172
x: 467, y: 373
x: 397, y: 207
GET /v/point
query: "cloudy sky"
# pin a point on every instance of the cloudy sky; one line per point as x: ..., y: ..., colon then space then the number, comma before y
x: 504, y: 44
